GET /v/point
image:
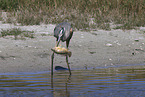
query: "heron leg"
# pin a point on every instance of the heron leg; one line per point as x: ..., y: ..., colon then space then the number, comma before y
x: 68, y: 64
x: 52, y: 57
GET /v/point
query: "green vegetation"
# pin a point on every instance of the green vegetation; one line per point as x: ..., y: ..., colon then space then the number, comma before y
x: 16, y: 32
x: 83, y: 14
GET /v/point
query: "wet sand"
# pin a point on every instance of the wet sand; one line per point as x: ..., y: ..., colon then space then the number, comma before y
x: 89, y: 49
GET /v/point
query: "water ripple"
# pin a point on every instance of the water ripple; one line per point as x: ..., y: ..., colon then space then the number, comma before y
x: 100, y: 82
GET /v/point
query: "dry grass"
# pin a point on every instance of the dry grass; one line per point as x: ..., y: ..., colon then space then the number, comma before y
x: 83, y: 14
x: 17, y: 33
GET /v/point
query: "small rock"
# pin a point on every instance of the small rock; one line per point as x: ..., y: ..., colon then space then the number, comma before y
x: 136, y: 40
x: 92, y: 52
x: 112, y: 64
x: 109, y: 45
x: 82, y: 36
x: 118, y: 44
x: 133, y: 53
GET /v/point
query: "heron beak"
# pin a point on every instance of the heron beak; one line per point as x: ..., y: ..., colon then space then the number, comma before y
x: 58, y: 41
x: 59, y: 37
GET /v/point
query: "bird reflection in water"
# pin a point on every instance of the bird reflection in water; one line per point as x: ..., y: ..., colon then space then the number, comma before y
x: 57, y: 92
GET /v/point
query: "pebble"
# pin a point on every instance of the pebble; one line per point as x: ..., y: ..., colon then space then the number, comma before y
x: 82, y: 36
x: 109, y: 44
x: 118, y: 44
x: 133, y: 53
x: 136, y: 40
x: 112, y: 64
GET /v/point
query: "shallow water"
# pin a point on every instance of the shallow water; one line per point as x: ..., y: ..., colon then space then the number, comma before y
x: 108, y: 82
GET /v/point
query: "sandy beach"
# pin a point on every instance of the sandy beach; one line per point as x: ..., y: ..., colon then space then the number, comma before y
x: 89, y: 49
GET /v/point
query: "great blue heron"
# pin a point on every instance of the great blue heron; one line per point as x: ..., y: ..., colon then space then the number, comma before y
x: 63, y: 32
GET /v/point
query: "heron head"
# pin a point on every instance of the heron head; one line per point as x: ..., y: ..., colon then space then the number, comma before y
x: 61, y: 32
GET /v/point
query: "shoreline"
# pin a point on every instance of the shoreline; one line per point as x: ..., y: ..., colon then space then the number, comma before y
x: 89, y: 49
x: 114, y: 68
